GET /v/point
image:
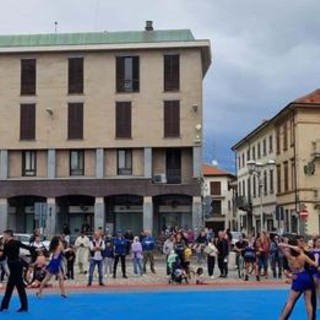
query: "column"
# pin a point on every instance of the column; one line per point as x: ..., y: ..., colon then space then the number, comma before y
x: 197, y: 161
x: 51, y: 163
x: 99, y: 213
x: 148, y: 163
x: 51, y: 222
x: 4, y: 214
x: 3, y: 164
x: 147, y: 213
x: 197, y: 220
x: 99, y: 163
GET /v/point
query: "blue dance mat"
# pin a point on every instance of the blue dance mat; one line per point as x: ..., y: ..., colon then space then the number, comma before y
x: 184, y: 303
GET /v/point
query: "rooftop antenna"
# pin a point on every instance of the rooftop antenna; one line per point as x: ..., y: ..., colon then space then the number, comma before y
x: 55, y: 27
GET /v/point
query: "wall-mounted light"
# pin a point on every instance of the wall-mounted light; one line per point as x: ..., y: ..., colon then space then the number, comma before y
x: 49, y: 111
x: 195, y: 108
x: 198, y: 126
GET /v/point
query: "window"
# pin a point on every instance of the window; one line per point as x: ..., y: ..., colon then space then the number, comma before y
x: 254, y: 186
x: 76, y: 162
x: 239, y: 187
x: 216, y: 207
x: 286, y: 175
x: 248, y: 154
x: 127, y: 74
x: 270, y: 144
x: 292, y: 132
x: 244, y: 188
x: 271, y: 181
x: 75, y: 79
x: 243, y: 160
x: 75, y: 121
x: 28, y: 77
x: 215, y: 188
x: 27, y: 122
x: 239, y: 162
x: 253, y: 153
x: 173, y: 165
x: 259, y: 150
x: 278, y: 141
x: 248, y: 187
x: 29, y: 163
x: 265, y: 183
x: 264, y: 147
x: 293, y: 177
x: 172, y: 119
x: 124, y: 162
x: 171, y: 72
x: 123, y: 119
x: 278, y: 178
x: 285, y: 137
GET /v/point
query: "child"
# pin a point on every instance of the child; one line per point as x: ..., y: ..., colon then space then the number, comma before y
x: 70, y: 257
x: 187, y: 260
x: 199, y: 276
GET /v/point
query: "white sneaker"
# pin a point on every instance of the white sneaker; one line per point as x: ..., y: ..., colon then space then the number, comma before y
x: 212, y: 277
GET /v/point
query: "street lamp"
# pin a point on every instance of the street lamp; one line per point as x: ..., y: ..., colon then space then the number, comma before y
x: 255, y: 168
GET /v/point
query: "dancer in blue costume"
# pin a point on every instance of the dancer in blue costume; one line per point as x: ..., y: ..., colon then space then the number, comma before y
x: 302, y: 282
x: 54, y: 267
x: 316, y: 252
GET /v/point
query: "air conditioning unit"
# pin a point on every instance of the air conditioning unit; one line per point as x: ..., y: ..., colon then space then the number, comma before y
x: 159, y: 178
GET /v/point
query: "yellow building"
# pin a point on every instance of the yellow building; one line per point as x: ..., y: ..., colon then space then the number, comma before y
x: 292, y: 191
x: 101, y: 130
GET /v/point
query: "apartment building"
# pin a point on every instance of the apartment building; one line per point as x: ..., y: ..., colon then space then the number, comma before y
x: 101, y: 130
x: 218, y: 197
x: 290, y: 199
x: 256, y: 190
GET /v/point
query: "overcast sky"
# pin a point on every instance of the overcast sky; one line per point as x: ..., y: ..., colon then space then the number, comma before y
x: 266, y: 53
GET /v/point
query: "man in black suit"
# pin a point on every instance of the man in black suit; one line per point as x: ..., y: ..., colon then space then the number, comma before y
x: 11, y: 251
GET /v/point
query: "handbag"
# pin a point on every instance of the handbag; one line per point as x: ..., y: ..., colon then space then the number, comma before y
x: 208, y: 250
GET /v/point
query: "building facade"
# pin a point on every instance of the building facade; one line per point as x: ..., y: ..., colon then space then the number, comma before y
x: 101, y: 130
x: 290, y: 200
x: 218, y: 198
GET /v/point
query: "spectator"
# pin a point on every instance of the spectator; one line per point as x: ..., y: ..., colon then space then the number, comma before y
x: 96, y: 248
x: 223, y: 252
x: 148, y: 246
x: 108, y: 256
x: 82, y: 252
x: 137, y: 256
x: 120, y: 250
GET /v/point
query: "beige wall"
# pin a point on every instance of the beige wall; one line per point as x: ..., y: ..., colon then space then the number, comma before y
x: 42, y: 164
x: 99, y: 99
x: 15, y: 164
x: 62, y: 163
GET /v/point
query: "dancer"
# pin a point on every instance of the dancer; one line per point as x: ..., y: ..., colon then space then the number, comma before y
x: 316, y: 252
x: 11, y: 251
x: 54, y: 267
x: 301, y: 280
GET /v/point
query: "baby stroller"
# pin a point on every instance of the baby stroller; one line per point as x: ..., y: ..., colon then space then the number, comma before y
x: 177, y: 273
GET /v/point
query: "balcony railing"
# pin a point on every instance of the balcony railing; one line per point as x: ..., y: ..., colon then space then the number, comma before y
x: 174, y: 176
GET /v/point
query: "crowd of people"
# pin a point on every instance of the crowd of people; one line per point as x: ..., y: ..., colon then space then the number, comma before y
x: 186, y: 253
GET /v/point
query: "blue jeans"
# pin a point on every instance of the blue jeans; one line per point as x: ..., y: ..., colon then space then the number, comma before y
x: 93, y: 264
x: 137, y: 266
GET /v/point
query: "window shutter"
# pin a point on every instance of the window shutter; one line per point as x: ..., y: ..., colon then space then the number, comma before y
x: 172, y: 118
x: 28, y: 77
x: 171, y: 72
x: 123, y: 120
x: 135, y: 73
x: 76, y: 75
x: 75, y: 121
x: 215, y: 187
x: 27, y: 121
x: 120, y: 74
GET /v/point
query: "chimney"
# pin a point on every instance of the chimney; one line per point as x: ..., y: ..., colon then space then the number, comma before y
x: 149, y: 26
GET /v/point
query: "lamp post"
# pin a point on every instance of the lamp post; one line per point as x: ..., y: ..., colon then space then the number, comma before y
x: 255, y: 169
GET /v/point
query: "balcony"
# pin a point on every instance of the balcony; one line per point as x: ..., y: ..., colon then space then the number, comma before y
x: 243, y: 203
x: 174, y: 176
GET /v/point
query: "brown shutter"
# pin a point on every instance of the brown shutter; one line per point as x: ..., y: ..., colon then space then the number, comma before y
x: 135, y: 74
x: 75, y: 121
x: 123, y: 119
x: 75, y: 75
x: 28, y: 77
x: 120, y: 74
x: 215, y: 187
x: 172, y: 118
x: 27, y: 121
x: 171, y: 72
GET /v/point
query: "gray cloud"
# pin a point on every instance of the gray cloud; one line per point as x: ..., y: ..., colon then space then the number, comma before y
x: 265, y: 52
